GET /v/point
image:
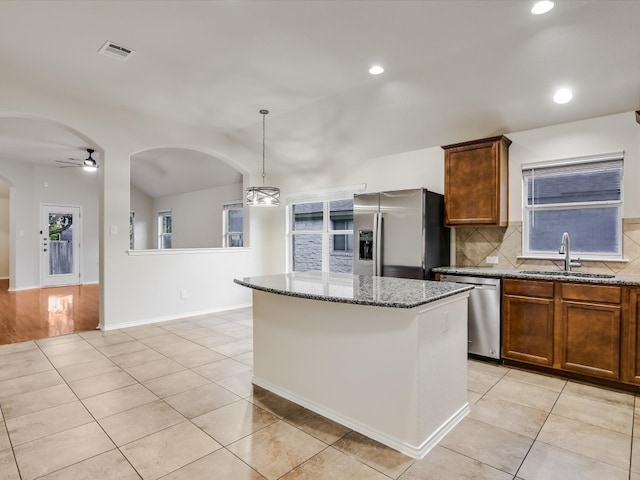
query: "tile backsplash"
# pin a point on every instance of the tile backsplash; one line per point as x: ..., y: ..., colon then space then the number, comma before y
x: 475, y: 244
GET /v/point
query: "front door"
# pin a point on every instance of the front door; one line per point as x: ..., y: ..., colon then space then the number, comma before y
x: 60, y: 245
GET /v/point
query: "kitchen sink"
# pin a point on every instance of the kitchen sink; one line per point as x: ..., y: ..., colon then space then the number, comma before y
x: 562, y: 273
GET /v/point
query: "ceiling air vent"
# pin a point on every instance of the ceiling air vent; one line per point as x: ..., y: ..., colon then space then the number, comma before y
x: 116, y: 51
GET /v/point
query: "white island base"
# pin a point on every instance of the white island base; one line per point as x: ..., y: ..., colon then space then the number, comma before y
x: 396, y: 375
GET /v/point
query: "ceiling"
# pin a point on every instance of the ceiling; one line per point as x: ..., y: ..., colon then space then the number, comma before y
x: 455, y: 69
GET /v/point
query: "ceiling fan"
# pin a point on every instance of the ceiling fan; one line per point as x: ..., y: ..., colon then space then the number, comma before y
x: 88, y: 163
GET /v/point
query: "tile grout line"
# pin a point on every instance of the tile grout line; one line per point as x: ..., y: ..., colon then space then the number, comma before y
x: 13, y: 452
x: 116, y: 447
x: 481, y: 397
x: 94, y: 420
x: 171, y: 407
x: 541, y: 427
x: 94, y: 347
x: 223, y: 447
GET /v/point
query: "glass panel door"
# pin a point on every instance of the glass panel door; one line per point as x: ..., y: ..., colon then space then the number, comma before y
x: 59, y: 245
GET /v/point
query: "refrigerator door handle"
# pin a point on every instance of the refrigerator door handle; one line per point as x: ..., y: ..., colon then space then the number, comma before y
x: 375, y: 245
x: 377, y: 235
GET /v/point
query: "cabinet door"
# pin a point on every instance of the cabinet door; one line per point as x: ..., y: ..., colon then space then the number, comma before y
x: 471, y: 189
x: 476, y: 182
x: 527, y: 329
x: 590, y: 339
x: 633, y: 343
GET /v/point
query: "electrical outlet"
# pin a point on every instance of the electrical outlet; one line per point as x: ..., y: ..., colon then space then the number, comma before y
x: 183, y: 294
x: 445, y: 322
x: 492, y: 260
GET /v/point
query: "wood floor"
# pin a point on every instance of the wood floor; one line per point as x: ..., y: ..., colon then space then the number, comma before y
x: 46, y: 312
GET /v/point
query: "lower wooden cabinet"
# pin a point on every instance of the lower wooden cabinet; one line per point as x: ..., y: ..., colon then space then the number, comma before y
x: 527, y: 328
x: 632, y: 343
x: 589, y: 340
x: 592, y: 330
x: 589, y: 331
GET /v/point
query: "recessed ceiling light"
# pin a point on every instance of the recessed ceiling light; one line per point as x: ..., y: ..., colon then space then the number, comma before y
x: 376, y: 70
x: 542, y: 7
x: 563, y: 95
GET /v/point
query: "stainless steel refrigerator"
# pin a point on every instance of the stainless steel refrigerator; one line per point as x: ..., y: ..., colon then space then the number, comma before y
x: 400, y: 233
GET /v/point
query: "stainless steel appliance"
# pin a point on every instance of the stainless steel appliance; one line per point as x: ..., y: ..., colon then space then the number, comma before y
x: 484, y: 314
x: 400, y: 233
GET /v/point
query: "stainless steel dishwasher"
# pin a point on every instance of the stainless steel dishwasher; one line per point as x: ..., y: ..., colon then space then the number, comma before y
x: 484, y: 314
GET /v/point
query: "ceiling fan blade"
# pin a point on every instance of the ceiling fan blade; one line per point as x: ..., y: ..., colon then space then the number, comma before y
x: 70, y: 163
x: 69, y: 166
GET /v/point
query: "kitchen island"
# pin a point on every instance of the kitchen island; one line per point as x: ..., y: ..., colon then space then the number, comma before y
x: 385, y: 357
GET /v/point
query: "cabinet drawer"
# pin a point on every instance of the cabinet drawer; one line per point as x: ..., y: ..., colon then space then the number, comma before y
x: 591, y: 293
x: 528, y: 288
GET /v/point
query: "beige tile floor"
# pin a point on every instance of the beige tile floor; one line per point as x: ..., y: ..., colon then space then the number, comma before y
x: 175, y: 401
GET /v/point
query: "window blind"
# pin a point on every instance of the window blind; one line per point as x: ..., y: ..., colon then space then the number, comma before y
x: 582, y: 196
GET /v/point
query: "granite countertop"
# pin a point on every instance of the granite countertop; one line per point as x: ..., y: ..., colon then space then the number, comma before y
x: 355, y: 289
x: 575, y: 277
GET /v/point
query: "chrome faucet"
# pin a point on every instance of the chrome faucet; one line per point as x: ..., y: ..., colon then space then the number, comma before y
x: 564, y: 249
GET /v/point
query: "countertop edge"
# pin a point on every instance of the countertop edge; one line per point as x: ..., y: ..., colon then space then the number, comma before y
x: 370, y: 303
x: 627, y: 280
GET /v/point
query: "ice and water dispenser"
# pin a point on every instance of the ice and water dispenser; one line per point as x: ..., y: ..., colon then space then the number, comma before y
x: 365, y: 240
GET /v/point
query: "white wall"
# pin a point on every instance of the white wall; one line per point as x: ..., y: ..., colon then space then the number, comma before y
x: 4, y: 237
x: 143, y: 288
x: 145, y: 219
x: 425, y: 168
x: 67, y: 186
x: 138, y: 288
x: 413, y: 169
x: 197, y: 216
x: 612, y: 133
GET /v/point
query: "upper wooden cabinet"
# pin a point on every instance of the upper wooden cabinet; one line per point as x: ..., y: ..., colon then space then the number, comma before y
x: 476, y: 182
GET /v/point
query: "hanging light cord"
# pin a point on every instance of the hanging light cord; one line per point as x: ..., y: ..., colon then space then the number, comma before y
x: 264, y: 114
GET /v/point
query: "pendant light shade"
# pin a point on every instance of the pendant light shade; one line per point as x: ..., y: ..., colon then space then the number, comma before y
x: 263, y: 196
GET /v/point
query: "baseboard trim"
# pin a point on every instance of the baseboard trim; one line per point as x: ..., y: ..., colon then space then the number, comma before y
x: 414, y: 451
x: 14, y: 289
x: 148, y: 321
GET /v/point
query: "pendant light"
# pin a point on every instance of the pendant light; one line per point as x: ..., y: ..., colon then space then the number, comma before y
x: 263, y: 196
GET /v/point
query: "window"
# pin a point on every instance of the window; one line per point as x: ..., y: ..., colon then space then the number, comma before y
x: 232, y: 225
x: 579, y: 196
x: 132, y: 224
x: 164, y: 229
x: 321, y: 236
x: 341, y: 219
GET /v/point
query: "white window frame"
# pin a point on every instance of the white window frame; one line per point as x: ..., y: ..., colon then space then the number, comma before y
x: 161, y: 233
x: 320, y: 196
x: 225, y: 222
x: 526, y: 209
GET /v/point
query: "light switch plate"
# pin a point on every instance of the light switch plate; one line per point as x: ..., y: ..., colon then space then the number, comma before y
x: 114, y: 229
x: 492, y: 260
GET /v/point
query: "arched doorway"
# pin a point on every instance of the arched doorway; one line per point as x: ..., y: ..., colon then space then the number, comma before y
x: 35, y: 155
